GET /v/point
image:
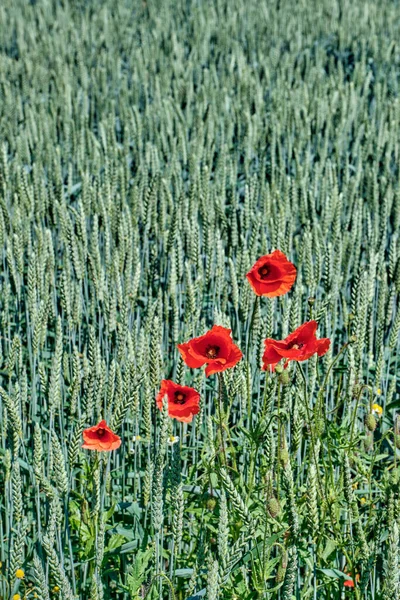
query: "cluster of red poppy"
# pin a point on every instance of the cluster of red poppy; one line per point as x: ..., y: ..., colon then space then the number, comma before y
x: 272, y: 275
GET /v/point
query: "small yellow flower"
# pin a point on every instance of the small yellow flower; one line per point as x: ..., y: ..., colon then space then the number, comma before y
x: 16, y: 597
x: 363, y: 501
x: 136, y: 438
x: 19, y: 573
x: 355, y: 485
x: 377, y: 410
x: 56, y: 589
x: 379, y: 392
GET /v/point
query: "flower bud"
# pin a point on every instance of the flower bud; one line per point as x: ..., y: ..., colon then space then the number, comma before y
x: 280, y: 575
x: 370, y: 422
x: 211, y: 504
x: 284, y: 377
x: 284, y: 457
x: 273, y: 507
x: 368, y: 441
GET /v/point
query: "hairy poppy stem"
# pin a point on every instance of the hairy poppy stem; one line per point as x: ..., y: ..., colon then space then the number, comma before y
x: 169, y: 583
x: 250, y: 327
x: 310, y: 424
x: 279, y: 441
x: 317, y: 470
x: 342, y: 349
x: 220, y: 419
x: 353, y: 418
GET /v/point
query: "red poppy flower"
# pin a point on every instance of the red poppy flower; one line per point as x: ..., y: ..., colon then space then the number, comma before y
x: 215, y: 349
x: 100, y: 438
x: 183, y: 401
x: 299, y: 345
x: 349, y: 582
x: 272, y: 275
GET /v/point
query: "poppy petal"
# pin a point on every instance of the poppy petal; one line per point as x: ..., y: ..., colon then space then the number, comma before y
x: 215, y: 349
x: 278, y: 279
x: 323, y: 346
x: 100, y: 438
x: 194, y: 362
x: 185, y: 408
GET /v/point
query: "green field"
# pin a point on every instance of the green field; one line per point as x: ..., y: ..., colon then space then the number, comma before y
x: 150, y: 152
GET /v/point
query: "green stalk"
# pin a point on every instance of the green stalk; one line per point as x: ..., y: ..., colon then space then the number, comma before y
x: 220, y: 416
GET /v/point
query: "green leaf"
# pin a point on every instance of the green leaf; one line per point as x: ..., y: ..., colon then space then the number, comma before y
x: 335, y: 574
x: 329, y: 548
x: 137, y: 573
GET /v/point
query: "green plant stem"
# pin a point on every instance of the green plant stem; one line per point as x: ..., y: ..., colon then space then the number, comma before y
x: 250, y: 327
x: 310, y: 425
x: 350, y: 562
x: 278, y: 468
x: 220, y: 417
x: 354, y: 416
x: 169, y: 582
x: 342, y: 349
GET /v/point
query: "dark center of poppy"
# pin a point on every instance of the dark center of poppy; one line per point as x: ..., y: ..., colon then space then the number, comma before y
x: 100, y: 432
x: 295, y: 346
x: 212, y: 351
x: 263, y: 272
x: 180, y: 398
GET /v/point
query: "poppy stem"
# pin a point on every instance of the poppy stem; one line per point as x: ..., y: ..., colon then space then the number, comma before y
x: 354, y: 416
x: 279, y: 440
x: 342, y: 349
x: 310, y: 424
x: 164, y: 577
x: 220, y: 417
x: 251, y: 324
